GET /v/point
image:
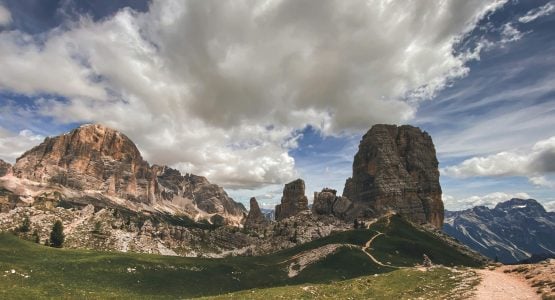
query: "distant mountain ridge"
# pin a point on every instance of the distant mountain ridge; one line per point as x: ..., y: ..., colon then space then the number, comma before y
x: 512, y: 231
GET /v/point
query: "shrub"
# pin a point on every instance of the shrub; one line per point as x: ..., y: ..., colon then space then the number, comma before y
x: 26, y: 225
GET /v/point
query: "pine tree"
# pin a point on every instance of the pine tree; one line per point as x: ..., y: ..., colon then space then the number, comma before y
x: 57, y: 234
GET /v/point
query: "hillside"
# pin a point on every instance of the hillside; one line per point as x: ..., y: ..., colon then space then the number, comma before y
x: 40, y: 272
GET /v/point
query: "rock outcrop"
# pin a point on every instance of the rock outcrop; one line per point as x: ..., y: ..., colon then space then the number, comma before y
x: 327, y: 202
x: 396, y: 169
x: 99, y: 164
x: 255, y: 218
x: 5, y: 168
x: 293, y: 200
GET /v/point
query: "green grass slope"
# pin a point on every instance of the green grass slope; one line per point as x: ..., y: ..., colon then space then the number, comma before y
x: 43, y: 272
x: 410, y: 283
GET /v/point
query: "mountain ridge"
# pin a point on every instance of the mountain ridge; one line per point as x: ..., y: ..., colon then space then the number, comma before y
x: 512, y: 231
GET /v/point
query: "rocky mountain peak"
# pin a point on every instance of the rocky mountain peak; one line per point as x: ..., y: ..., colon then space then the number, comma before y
x: 522, y: 205
x: 101, y: 163
x: 396, y: 169
x: 91, y: 157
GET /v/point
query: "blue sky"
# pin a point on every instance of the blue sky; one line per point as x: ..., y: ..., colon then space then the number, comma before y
x: 254, y: 94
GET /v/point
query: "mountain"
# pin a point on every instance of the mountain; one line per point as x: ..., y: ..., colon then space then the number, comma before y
x: 512, y: 231
x: 396, y: 169
x: 94, y: 164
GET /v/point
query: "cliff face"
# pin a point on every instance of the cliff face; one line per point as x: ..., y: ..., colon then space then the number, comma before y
x: 91, y: 157
x: 396, y: 169
x: 293, y: 200
x: 103, y: 160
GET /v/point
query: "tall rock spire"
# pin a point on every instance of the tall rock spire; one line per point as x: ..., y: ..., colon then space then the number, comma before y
x: 396, y: 169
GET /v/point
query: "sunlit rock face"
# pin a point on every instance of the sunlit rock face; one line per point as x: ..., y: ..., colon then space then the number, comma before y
x: 396, y: 169
x: 95, y: 158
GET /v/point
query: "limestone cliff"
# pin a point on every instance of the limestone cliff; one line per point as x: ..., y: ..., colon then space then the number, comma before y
x: 396, y: 169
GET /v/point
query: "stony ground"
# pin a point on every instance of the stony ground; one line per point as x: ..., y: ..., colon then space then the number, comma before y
x: 540, y: 276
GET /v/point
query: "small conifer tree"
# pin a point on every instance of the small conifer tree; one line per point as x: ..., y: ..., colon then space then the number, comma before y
x: 57, y: 236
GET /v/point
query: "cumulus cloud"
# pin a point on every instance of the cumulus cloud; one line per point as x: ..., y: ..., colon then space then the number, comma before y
x: 5, y: 16
x: 489, y: 200
x: 537, y: 13
x: 12, y: 146
x: 534, y: 162
x: 223, y: 88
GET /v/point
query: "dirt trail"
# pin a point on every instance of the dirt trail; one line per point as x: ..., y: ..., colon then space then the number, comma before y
x: 498, y: 285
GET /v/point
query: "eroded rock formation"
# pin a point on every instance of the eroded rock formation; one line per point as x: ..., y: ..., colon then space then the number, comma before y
x: 293, y: 200
x: 327, y: 202
x: 255, y: 218
x: 396, y: 169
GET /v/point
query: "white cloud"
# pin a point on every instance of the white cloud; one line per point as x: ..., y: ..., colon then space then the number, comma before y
x: 510, y: 34
x: 12, y: 146
x: 489, y: 200
x: 5, y: 16
x: 537, y: 12
x: 534, y: 162
x: 221, y: 88
x: 549, y: 206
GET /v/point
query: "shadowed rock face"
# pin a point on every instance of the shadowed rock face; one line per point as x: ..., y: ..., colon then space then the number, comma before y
x: 98, y: 158
x: 255, y: 218
x: 396, y: 169
x: 5, y: 168
x: 293, y: 200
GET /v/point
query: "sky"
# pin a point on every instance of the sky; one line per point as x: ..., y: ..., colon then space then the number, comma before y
x: 254, y: 94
